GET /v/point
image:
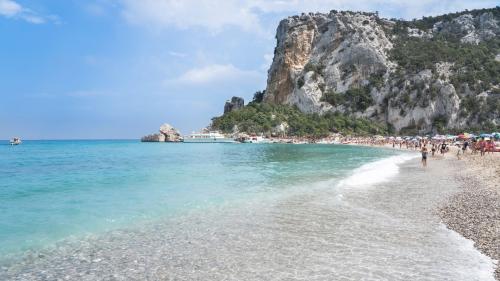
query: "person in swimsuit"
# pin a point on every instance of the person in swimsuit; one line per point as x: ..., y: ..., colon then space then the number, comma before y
x: 433, y: 149
x: 424, y: 156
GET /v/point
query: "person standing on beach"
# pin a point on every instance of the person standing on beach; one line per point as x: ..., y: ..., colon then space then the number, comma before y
x: 424, y: 156
x: 482, y: 145
x: 444, y: 148
x: 433, y: 149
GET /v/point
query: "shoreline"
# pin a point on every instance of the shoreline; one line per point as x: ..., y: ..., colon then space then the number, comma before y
x: 474, y: 210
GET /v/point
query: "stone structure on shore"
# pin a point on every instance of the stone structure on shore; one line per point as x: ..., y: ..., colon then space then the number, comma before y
x: 234, y: 104
x: 167, y: 133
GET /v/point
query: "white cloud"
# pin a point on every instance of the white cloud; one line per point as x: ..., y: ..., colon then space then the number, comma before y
x: 213, y: 15
x: 177, y: 54
x: 268, y: 60
x: 12, y: 9
x: 9, y: 8
x: 215, y: 73
x: 94, y: 9
x: 247, y: 14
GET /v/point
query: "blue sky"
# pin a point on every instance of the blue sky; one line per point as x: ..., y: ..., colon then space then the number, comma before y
x: 120, y: 68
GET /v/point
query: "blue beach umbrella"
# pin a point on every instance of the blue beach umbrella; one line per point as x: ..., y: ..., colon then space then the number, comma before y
x: 485, y: 135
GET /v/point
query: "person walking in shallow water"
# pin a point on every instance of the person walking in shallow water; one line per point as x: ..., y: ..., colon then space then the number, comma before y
x: 424, y: 156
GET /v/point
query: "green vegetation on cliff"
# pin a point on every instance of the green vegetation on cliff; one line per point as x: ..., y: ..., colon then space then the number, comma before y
x: 263, y: 118
x: 474, y: 65
x: 354, y: 99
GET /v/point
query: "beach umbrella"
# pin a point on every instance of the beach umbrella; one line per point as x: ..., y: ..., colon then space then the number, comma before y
x: 485, y: 135
x: 496, y: 135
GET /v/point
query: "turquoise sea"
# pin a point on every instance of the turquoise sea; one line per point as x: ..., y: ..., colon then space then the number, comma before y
x: 50, y: 190
x: 125, y: 210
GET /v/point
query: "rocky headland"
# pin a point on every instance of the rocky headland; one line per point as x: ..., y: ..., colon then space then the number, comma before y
x: 413, y: 75
x: 166, y: 133
x: 435, y: 74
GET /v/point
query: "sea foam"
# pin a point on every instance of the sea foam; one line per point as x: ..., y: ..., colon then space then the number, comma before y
x: 376, y: 172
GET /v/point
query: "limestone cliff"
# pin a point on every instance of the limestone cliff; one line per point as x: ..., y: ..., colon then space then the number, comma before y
x: 235, y: 103
x: 423, y: 75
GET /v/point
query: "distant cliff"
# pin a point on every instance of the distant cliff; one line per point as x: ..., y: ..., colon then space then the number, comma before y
x: 436, y: 73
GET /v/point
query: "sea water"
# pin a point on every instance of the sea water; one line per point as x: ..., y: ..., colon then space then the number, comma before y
x: 53, y: 189
x: 112, y: 209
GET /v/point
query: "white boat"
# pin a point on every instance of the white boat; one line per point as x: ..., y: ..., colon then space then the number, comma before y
x: 208, y: 137
x: 15, y: 141
x: 257, y: 139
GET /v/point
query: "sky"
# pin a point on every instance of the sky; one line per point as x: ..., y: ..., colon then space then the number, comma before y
x: 113, y: 69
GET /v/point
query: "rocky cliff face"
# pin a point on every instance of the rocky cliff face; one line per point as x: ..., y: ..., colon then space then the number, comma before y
x: 235, y: 103
x: 422, y: 75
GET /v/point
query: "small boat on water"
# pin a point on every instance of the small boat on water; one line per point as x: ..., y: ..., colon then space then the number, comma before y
x: 208, y: 137
x: 15, y: 141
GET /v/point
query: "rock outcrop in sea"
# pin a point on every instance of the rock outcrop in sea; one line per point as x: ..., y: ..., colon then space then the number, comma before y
x: 434, y: 73
x: 167, y: 133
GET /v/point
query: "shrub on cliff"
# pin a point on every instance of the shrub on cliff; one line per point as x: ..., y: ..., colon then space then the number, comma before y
x: 262, y: 117
x: 354, y: 99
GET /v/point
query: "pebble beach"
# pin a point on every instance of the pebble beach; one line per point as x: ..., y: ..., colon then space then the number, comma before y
x: 474, y: 211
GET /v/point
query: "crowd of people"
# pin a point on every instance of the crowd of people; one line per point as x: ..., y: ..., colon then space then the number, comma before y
x: 426, y: 146
x: 432, y: 146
